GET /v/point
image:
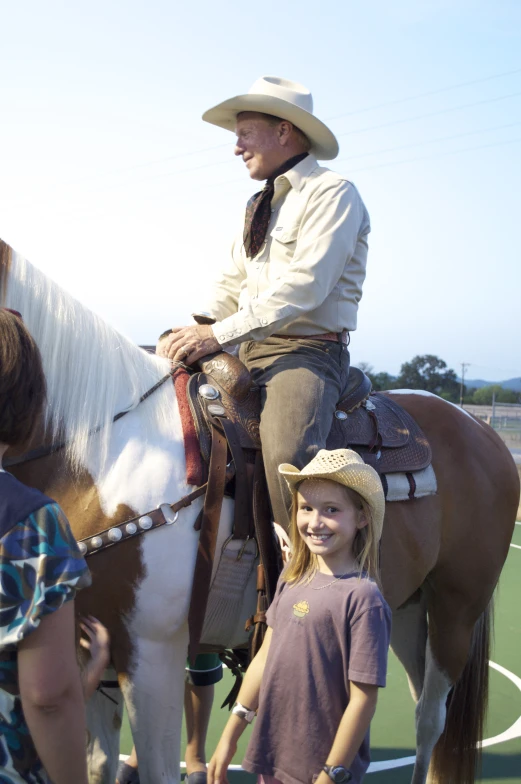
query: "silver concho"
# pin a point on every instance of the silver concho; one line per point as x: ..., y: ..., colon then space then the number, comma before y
x: 208, y: 392
x: 82, y: 547
x: 216, y: 409
x: 341, y: 415
x: 96, y: 541
x: 115, y: 534
x: 146, y: 522
x: 131, y: 528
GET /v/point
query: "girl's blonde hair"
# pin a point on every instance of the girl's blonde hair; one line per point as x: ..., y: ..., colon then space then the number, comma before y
x: 303, y: 563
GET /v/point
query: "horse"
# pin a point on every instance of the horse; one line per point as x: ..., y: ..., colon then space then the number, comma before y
x: 441, y: 555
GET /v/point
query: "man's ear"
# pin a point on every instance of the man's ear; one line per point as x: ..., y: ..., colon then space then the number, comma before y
x: 284, y: 132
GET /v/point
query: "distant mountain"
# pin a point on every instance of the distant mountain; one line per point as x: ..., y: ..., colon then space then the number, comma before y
x: 512, y: 383
x: 477, y: 383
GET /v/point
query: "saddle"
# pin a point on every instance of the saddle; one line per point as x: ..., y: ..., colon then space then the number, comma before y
x: 225, y: 407
x: 371, y: 423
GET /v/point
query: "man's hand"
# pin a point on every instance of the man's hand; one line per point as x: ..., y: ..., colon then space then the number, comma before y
x: 188, y: 344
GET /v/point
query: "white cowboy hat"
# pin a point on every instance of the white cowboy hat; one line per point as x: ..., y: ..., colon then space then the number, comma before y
x: 281, y: 98
x: 346, y: 467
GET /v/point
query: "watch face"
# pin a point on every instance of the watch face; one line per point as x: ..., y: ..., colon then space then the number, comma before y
x: 340, y: 775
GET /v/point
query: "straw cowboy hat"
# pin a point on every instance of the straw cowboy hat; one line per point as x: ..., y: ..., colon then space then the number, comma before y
x: 347, y: 468
x: 280, y: 98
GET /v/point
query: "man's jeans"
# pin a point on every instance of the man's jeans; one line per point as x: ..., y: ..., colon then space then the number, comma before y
x: 301, y: 382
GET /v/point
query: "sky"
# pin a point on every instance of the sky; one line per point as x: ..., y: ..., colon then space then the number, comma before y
x: 112, y: 184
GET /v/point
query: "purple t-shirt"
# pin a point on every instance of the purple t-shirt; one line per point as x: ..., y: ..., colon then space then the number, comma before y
x: 325, y: 634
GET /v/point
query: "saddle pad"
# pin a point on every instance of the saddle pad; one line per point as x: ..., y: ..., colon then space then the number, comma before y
x: 194, y: 463
x: 406, y: 487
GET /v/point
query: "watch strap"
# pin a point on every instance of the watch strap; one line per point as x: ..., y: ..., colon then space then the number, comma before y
x: 243, y: 713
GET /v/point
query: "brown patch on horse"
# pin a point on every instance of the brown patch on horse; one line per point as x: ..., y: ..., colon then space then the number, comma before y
x: 409, y: 546
x: 476, y: 506
x: 111, y: 597
x: 6, y: 255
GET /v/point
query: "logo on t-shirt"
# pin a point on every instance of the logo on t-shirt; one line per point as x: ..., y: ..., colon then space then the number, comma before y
x: 301, y: 609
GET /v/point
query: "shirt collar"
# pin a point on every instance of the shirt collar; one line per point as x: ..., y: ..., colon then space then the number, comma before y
x: 297, y: 175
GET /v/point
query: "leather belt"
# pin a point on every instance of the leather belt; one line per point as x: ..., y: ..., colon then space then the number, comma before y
x: 333, y: 337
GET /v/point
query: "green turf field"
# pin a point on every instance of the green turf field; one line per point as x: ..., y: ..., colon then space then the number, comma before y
x: 392, y: 733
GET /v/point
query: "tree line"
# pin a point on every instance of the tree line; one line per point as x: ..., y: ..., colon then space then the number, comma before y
x: 432, y: 374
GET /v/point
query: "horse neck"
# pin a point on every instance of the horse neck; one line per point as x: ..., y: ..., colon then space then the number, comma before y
x: 92, y: 371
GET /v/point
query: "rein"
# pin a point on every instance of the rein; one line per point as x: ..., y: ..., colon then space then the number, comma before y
x: 45, y: 451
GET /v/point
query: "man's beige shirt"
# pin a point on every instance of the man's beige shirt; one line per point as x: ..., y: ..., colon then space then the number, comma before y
x: 307, y: 279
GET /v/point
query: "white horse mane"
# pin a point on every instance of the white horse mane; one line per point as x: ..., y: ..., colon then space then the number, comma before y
x: 92, y: 371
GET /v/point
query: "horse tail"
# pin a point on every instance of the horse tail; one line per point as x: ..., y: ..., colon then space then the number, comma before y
x: 456, y: 758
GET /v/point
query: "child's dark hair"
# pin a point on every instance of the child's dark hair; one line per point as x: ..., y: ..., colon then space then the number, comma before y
x: 22, y: 381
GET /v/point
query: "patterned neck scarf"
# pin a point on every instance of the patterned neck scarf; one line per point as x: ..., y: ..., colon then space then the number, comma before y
x: 258, y: 209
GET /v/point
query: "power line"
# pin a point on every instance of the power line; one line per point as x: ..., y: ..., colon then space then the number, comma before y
x: 329, y: 119
x: 428, y: 141
x: 397, y: 101
x: 438, y: 155
x: 430, y: 114
x: 361, y: 130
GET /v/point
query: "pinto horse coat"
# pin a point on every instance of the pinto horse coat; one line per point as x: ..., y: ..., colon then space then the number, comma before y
x: 441, y: 556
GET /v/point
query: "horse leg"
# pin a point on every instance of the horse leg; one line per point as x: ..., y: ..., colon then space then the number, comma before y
x: 408, y: 641
x: 104, y: 717
x: 428, y: 684
x: 154, y: 695
x: 430, y: 715
x: 459, y: 639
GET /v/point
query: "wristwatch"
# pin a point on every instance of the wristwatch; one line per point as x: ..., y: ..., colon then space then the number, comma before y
x: 338, y: 774
x: 243, y: 713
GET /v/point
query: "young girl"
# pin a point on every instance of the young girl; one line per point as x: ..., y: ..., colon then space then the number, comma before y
x: 42, y: 729
x: 314, y: 682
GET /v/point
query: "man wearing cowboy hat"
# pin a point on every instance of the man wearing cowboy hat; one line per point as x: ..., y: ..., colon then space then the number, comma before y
x: 290, y: 292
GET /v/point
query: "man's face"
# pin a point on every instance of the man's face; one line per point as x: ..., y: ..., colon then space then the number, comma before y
x: 259, y: 144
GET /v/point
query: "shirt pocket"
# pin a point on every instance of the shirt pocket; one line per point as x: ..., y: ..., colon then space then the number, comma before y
x: 285, y: 234
x: 282, y: 247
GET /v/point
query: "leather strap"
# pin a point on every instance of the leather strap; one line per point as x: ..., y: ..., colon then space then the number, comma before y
x: 207, y: 539
x: 267, y: 570
x: 263, y: 528
x: 242, y: 516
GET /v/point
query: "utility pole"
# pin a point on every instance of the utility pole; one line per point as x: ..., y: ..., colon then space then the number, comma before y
x: 464, y: 366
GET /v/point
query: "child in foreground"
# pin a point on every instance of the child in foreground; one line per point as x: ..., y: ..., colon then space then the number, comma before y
x: 42, y: 736
x: 314, y: 683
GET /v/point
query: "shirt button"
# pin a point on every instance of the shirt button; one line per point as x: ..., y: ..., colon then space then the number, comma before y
x: 264, y: 322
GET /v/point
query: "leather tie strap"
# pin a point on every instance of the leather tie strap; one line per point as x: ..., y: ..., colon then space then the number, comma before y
x: 207, y: 540
x: 242, y: 516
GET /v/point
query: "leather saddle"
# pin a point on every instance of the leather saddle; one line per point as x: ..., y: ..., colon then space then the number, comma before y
x: 371, y: 423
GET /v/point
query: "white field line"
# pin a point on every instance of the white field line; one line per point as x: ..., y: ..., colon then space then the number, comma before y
x: 375, y: 767
x: 517, y: 546
x: 515, y: 730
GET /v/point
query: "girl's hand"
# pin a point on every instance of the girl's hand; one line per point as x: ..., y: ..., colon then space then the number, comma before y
x: 222, y: 756
x: 96, y: 640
